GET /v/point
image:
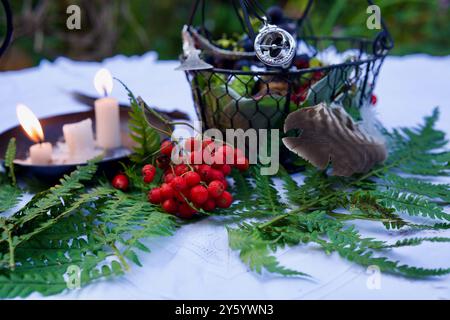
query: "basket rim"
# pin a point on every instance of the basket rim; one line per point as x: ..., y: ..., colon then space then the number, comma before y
x: 372, y: 57
x: 291, y: 72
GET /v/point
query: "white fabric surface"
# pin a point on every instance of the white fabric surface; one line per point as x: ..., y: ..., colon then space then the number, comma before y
x: 196, y: 262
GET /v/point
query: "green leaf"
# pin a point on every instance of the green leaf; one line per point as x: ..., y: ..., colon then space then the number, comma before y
x: 10, y: 156
x: 419, y: 187
x: 147, y: 138
x: 10, y: 197
x: 267, y: 195
x: 413, y: 205
x: 254, y: 252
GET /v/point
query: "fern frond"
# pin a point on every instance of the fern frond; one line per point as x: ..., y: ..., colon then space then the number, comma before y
x: 411, y: 204
x: 10, y: 197
x: 365, y: 258
x: 128, y: 220
x: 416, y: 241
x: 267, y: 196
x: 416, y: 150
x: 291, y: 188
x: 147, y: 139
x: 419, y: 187
x: 243, y: 190
x: 10, y: 156
x: 43, y: 262
x: 360, y: 253
x: 56, y: 198
x: 254, y: 252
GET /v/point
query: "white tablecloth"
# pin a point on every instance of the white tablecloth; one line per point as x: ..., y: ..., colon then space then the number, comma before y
x: 196, y: 262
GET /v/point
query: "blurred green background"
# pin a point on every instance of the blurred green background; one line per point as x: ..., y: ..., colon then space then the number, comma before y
x: 132, y: 27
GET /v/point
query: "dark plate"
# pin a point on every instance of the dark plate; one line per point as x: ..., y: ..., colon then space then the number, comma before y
x: 53, y: 133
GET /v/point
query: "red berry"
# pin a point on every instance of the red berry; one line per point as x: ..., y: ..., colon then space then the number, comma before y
x: 199, y: 194
x: 209, y: 205
x: 216, y: 188
x: 214, y: 174
x: 208, y: 154
x: 225, y: 183
x: 373, y: 99
x: 166, y: 148
x: 225, y: 200
x: 238, y: 153
x: 182, y: 196
x: 178, y: 183
x: 148, y: 168
x: 185, y: 211
x: 170, y: 206
x: 120, y: 182
x: 192, y: 144
x: 180, y: 169
x: 192, y: 178
x: 154, y: 196
x: 206, y: 142
x: 203, y: 170
x: 169, y: 177
x: 163, y: 162
x: 167, y: 191
x: 226, y: 169
x: 195, y: 157
x: 242, y: 164
x: 149, y: 176
x: 224, y: 154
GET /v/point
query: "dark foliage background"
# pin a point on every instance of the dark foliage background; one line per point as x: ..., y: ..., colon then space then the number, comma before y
x: 133, y: 27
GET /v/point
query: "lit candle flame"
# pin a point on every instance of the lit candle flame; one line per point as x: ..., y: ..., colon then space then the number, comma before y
x: 30, y: 123
x: 103, y: 82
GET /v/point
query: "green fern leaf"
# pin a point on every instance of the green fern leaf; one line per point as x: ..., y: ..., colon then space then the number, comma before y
x: 146, y: 138
x: 416, y: 241
x: 416, y: 186
x: 10, y: 197
x: 413, y: 205
x: 254, y: 252
x: 10, y: 156
x: 267, y: 195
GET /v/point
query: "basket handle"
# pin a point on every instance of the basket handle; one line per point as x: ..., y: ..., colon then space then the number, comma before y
x: 249, y: 7
x: 9, y: 26
x: 383, y: 41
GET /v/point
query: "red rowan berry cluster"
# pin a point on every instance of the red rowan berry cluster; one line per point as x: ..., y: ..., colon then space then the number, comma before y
x: 198, y: 182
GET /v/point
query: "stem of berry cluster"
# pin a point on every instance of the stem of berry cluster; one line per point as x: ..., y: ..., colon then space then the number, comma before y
x: 168, y: 123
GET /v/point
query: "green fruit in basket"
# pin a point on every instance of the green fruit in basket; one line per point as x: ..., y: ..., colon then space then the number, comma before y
x: 233, y: 111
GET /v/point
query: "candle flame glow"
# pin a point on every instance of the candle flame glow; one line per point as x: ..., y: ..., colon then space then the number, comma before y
x: 103, y: 82
x: 30, y: 123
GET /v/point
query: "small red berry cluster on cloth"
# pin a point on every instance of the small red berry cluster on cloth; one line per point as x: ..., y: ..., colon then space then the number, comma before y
x: 192, y: 186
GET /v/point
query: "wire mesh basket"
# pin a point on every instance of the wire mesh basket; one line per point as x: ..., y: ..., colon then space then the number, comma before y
x: 243, y: 93
x: 8, y: 26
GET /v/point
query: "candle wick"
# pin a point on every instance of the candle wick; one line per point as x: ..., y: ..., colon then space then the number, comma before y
x: 105, y: 92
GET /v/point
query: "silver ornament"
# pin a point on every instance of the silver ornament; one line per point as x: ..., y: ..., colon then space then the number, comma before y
x: 275, y: 46
x: 192, y: 60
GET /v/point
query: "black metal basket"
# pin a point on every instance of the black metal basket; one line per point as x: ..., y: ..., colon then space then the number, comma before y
x: 228, y: 96
x: 8, y: 26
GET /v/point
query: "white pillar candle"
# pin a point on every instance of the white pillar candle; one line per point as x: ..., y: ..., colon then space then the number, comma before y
x: 107, y: 114
x: 41, y: 153
x: 79, y: 138
x: 107, y: 123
